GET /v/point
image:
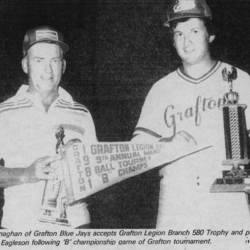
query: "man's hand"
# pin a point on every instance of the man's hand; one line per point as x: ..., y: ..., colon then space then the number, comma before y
x: 181, y: 137
x: 40, y: 169
x: 178, y: 146
x: 70, y: 143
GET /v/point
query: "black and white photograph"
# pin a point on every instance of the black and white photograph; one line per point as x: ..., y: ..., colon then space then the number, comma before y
x: 125, y: 124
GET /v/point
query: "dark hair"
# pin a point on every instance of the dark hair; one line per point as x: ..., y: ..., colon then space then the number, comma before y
x: 207, y: 22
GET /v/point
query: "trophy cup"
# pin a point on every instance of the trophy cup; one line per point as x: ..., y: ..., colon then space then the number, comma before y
x: 236, y: 141
x: 54, y: 203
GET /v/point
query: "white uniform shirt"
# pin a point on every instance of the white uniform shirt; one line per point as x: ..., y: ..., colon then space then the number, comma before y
x: 27, y: 133
x: 178, y: 102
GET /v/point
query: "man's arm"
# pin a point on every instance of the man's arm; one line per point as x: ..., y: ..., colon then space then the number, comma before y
x: 37, y: 171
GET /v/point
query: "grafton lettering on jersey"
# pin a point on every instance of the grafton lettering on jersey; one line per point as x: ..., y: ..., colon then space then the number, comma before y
x: 202, y: 104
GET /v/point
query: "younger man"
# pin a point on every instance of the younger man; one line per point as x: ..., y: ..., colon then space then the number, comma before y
x: 185, y: 104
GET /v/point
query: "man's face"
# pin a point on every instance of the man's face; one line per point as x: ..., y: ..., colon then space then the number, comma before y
x: 191, y: 41
x: 44, y: 65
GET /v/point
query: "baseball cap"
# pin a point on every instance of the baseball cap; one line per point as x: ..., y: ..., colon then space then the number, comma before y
x: 43, y: 34
x: 187, y: 9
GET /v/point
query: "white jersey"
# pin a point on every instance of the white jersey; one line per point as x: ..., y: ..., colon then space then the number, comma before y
x: 180, y: 103
x: 27, y: 133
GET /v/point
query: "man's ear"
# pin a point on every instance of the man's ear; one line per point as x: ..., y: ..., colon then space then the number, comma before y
x: 211, y: 38
x: 25, y: 65
x: 64, y: 66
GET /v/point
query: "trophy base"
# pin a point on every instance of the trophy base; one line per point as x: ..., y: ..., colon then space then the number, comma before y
x: 227, y: 188
x: 231, y: 182
x: 54, y: 220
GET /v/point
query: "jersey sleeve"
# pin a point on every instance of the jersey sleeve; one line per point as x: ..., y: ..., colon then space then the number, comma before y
x: 87, y: 123
x: 151, y: 125
x: 90, y: 134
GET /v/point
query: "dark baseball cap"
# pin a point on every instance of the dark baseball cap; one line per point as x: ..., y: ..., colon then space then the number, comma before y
x: 187, y: 9
x: 44, y: 34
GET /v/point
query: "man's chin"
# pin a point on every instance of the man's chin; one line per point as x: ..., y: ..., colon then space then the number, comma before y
x: 47, y: 89
x: 191, y: 61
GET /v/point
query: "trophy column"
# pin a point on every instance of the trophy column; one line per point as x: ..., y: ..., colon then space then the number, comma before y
x: 54, y: 204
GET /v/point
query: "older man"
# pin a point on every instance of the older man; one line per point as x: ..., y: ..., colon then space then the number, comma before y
x: 29, y: 121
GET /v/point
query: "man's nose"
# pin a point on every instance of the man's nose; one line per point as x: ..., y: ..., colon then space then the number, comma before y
x: 48, y: 67
x: 186, y: 41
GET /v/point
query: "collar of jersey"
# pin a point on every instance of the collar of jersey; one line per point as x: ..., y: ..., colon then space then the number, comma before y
x: 23, y: 94
x: 200, y: 79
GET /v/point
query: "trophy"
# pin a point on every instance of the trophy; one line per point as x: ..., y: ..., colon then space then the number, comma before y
x: 54, y: 203
x: 236, y: 141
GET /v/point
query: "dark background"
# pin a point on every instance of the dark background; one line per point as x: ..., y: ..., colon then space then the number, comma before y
x: 118, y: 49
